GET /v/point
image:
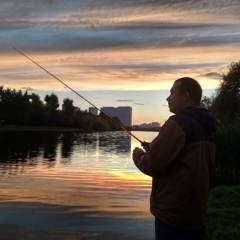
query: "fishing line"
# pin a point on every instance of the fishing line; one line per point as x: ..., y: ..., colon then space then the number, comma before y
x: 120, y: 125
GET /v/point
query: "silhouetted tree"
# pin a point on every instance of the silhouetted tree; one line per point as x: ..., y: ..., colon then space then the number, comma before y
x: 114, y: 123
x: 68, y: 107
x: 14, y: 106
x: 37, y: 110
x: 87, y: 122
x: 52, y: 103
x: 77, y: 119
x: 100, y: 124
x: 67, y: 110
x: 21, y: 108
x: 226, y: 104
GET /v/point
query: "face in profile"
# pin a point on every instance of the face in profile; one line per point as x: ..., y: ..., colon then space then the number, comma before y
x: 175, y: 99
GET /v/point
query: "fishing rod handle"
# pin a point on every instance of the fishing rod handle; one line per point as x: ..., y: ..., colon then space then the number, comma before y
x: 145, y: 145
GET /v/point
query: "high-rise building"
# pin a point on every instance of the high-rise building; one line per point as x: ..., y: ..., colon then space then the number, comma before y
x: 123, y: 113
x: 93, y: 110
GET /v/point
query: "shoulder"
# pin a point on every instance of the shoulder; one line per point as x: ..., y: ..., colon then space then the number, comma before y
x: 184, y: 121
x: 193, y: 127
x: 172, y: 125
x: 189, y: 125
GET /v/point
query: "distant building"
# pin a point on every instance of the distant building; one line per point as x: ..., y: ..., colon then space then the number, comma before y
x: 77, y: 109
x: 123, y: 113
x: 93, y: 110
x: 150, y: 125
x: 145, y: 126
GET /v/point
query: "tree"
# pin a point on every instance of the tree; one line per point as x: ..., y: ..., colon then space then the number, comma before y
x: 14, y: 106
x: 87, y: 122
x: 52, y: 102
x: 114, y: 124
x: 226, y: 105
x: 231, y: 81
x: 207, y: 102
x: 100, y: 124
x: 22, y: 107
x: 68, y: 107
x: 37, y: 110
x: 67, y: 110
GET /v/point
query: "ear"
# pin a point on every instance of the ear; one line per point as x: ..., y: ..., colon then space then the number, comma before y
x: 187, y: 97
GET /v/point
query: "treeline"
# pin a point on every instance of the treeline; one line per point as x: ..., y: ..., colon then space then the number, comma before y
x: 22, y: 108
x: 225, y: 105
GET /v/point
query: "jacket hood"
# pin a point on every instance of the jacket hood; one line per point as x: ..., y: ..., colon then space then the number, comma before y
x: 203, y: 116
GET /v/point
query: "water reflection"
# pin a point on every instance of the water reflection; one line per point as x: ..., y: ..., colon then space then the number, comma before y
x: 88, y: 173
x: 19, y: 146
x: 73, y: 169
x: 68, y: 139
x: 28, y: 147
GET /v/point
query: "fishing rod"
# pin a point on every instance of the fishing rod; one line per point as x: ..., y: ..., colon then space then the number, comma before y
x: 120, y: 125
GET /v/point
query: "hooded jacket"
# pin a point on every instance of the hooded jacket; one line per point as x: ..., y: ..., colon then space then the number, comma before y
x: 181, y: 161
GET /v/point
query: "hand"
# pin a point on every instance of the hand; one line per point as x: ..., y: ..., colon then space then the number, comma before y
x: 137, y: 152
x: 137, y: 149
x: 145, y: 146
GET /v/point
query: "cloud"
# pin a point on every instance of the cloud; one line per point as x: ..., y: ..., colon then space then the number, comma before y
x: 57, y: 26
x: 63, y: 41
x: 144, y: 68
x: 13, y: 25
x: 109, y: 12
x: 28, y: 89
x: 125, y: 100
x: 137, y: 43
x: 138, y: 103
x: 212, y: 75
x: 38, y: 40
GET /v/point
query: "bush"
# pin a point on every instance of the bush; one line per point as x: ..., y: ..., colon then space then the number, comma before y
x: 228, y: 155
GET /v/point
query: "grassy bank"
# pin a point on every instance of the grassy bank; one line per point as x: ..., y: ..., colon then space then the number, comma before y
x: 228, y: 155
x: 223, y: 221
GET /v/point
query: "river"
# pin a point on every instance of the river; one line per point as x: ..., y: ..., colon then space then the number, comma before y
x: 89, y: 178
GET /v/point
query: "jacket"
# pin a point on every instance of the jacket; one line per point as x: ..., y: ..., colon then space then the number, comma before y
x: 181, y: 161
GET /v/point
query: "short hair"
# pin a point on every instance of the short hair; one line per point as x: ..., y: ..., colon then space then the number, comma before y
x: 191, y: 86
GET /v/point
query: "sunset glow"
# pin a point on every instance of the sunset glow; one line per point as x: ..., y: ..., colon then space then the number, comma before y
x: 117, y: 46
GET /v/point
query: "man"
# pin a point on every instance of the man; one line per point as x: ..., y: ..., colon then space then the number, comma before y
x: 181, y: 162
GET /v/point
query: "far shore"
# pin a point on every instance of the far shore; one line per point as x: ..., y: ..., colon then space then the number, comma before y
x: 59, y: 129
x: 38, y: 128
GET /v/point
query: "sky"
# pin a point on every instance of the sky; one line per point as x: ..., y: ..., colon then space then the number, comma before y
x: 117, y: 53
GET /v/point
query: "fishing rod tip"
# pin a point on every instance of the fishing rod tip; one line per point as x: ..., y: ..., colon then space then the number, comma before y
x: 15, y: 49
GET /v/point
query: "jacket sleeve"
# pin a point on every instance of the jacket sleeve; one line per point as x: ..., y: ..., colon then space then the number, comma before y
x: 163, y: 150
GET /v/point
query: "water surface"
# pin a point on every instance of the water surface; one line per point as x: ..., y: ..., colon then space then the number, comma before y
x: 89, y: 173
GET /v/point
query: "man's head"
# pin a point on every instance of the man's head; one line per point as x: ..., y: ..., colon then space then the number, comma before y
x: 185, y: 92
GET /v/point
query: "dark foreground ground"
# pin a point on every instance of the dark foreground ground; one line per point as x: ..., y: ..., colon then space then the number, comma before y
x: 19, y: 221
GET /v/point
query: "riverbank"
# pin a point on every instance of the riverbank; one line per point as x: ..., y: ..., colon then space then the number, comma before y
x: 15, y: 232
